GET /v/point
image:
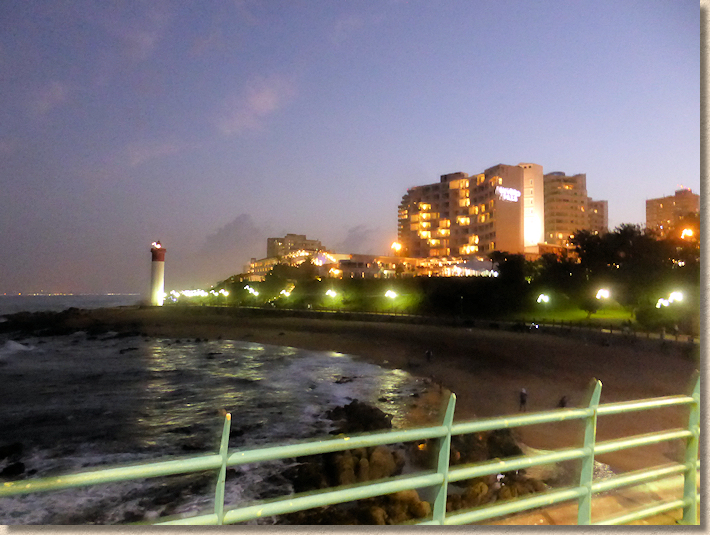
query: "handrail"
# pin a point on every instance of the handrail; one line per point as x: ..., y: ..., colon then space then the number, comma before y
x: 443, y: 472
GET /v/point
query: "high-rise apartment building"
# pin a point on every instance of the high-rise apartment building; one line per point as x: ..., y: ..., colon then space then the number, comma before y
x: 598, y: 213
x: 500, y: 209
x: 665, y: 212
x: 568, y: 208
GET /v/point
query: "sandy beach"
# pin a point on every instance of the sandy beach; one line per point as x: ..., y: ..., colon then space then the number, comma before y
x: 485, y: 368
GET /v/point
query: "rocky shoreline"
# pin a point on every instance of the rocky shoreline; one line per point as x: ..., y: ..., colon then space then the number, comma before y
x: 485, y: 368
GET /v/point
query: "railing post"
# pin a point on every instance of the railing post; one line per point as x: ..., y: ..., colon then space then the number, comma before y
x: 442, y: 463
x: 584, y: 507
x: 224, y: 453
x: 690, y: 480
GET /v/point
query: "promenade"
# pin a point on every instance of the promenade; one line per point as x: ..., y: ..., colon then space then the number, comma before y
x: 608, y: 505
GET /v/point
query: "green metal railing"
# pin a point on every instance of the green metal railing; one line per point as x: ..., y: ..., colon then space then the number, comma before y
x: 439, y: 477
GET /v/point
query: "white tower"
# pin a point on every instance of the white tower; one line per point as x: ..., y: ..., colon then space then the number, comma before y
x: 533, y: 206
x: 157, y: 275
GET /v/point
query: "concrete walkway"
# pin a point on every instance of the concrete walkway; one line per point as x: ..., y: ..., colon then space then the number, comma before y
x: 609, y: 505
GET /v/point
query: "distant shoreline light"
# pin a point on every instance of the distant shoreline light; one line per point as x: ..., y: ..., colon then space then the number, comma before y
x: 20, y: 294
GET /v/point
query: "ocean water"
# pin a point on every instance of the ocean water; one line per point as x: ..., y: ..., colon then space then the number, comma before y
x: 77, y: 402
x: 11, y: 304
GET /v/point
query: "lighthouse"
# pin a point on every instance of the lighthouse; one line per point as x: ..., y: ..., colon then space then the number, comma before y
x: 157, y: 275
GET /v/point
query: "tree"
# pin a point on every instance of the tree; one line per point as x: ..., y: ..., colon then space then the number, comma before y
x: 629, y: 257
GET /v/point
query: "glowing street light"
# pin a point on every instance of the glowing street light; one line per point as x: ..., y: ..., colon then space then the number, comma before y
x: 673, y: 298
x: 251, y: 290
x: 603, y: 294
x: 390, y: 294
x: 396, y: 247
x: 330, y: 293
x: 686, y: 232
x: 543, y: 298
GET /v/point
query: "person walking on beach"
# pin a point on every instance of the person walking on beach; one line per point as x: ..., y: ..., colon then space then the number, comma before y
x: 523, y: 400
x: 428, y: 354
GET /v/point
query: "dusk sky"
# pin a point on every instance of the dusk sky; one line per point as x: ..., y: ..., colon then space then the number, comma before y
x: 214, y: 125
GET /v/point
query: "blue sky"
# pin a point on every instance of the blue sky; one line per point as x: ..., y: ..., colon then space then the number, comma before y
x: 214, y: 125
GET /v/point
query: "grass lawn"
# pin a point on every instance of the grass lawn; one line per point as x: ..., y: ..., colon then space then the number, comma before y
x: 611, y: 314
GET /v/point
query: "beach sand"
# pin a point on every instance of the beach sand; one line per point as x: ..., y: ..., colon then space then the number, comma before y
x: 485, y: 368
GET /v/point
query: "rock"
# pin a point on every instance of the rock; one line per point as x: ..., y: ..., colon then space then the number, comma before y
x: 343, y: 380
x: 471, y: 448
x: 345, y: 466
x: 406, y: 505
x: 381, y: 463
x: 363, y: 470
x: 358, y: 417
x: 11, y: 451
x: 306, y: 476
x: 475, y: 494
x: 378, y: 516
x: 453, y: 502
x: 507, y: 492
x: 501, y: 443
x: 420, y: 509
x: 13, y: 470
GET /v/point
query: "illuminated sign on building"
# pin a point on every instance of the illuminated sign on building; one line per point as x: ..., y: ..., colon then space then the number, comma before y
x: 507, y: 194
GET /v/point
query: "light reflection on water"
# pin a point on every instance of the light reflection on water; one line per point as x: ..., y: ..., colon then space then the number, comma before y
x: 274, y: 393
x: 81, y: 401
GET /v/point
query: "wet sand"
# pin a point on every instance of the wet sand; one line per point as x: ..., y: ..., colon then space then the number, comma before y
x: 485, y: 368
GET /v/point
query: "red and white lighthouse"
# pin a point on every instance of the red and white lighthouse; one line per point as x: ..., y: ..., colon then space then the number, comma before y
x: 157, y: 275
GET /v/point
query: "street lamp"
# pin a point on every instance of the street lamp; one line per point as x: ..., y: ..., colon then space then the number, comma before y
x: 544, y: 298
x: 390, y: 294
x: 603, y: 294
x: 673, y: 298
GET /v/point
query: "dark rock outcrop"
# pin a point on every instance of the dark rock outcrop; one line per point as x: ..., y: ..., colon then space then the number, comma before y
x: 358, y: 417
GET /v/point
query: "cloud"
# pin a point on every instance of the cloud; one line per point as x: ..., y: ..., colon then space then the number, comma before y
x: 260, y: 98
x: 49, y: 97
x: 140, y: 34
x: 138, y: 153
x: 221, y: 254
x: 240, y: 232
x: 360, y: 239
x: 136, y: 28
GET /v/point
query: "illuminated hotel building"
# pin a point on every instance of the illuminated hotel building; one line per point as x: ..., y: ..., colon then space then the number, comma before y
x: 501, y: 209
x: 664, y: 213
x: 568, y: 208
x: 291, y: 243
x: 598, y: 213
